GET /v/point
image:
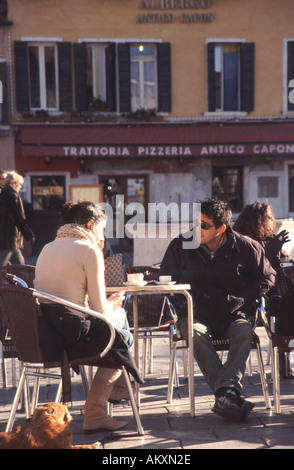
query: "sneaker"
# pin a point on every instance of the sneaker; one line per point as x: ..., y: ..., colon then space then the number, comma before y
x: 232, y: 406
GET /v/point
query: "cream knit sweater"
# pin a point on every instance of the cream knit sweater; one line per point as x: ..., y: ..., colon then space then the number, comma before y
x: 72, y: 267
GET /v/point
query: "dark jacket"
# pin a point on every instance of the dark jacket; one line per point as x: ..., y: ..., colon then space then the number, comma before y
x: 225, y: 286
x: 13, y: 224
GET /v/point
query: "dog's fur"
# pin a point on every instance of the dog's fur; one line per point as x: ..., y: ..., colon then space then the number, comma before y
x: 48, y: 430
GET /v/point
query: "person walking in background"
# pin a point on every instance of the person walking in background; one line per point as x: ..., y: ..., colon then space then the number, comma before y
x: 257, y: 221
x: 13, y: 223
x: 3, y: 175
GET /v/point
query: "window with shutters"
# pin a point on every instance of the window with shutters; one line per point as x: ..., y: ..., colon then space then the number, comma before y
x: 43, y: 78
x: 230, y: 77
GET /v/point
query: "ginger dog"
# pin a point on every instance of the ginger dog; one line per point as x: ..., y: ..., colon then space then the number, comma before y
x: 48, y: 430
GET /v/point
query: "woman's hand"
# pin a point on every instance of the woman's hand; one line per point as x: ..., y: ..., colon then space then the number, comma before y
x: 117, y: 299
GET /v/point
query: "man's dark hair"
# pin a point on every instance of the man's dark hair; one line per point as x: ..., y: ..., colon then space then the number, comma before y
x: 217, y: 210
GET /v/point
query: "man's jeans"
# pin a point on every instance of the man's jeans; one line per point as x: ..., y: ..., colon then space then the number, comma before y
x: 218, y: 375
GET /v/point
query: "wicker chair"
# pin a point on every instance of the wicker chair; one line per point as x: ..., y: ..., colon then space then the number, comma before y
x: 27, y: 274
x: 277, y: 319
x: 22, y: 314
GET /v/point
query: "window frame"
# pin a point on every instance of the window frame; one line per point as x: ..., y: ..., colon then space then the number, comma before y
x: 141, y: 60
x: 42, y: 76
x: 221, y: 46
x: 246, y: 76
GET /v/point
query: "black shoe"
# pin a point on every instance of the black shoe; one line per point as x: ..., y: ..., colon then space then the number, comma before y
x: 232, y: 406
x: 246, y: 407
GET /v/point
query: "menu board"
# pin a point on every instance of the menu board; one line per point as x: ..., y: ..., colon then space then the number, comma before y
x: 89, y: 192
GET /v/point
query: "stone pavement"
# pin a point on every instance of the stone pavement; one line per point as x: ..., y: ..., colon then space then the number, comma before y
x: 169, y: 426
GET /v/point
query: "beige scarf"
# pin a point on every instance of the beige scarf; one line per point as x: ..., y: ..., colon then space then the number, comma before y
x: 76, y: 231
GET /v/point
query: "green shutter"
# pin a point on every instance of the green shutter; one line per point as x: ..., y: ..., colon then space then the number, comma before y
x: 210, y: 77
x: 21, y: 69
x: 164, y: 77
x: 65, y: 76
x: 110, y: 77
x: 247, y: 76
x: 80, y: 67
x: 5, y: 89
x: 290, y: 76
x: 124, y: 74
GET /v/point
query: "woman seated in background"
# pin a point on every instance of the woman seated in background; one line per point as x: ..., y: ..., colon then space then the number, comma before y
x: 258, y: 222
x: 72, y: 267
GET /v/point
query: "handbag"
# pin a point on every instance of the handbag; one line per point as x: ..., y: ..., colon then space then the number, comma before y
x: 115, y: 274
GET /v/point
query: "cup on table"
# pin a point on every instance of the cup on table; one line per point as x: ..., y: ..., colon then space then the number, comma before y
x: 136, y: 277
x: 165, y: 278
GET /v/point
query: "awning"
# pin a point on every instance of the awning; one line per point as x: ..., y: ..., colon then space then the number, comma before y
x: 202, y: 140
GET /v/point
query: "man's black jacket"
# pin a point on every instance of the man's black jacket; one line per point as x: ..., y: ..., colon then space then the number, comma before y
x: 222, y: 287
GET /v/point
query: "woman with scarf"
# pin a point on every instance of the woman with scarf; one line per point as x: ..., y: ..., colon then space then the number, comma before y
x: 72, y: 267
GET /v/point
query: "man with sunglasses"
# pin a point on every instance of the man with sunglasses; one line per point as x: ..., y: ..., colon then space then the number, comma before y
x: 227, y: 273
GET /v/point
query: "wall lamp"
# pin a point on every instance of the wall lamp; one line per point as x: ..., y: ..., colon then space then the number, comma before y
x: 47, y: 160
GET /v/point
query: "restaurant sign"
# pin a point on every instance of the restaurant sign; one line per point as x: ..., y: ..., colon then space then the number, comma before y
x: 171, y: 11
x: 129, y: 151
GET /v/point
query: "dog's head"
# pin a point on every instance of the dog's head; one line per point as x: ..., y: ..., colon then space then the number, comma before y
x: 52, y: 412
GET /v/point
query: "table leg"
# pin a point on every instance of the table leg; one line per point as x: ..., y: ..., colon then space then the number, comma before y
x: 190, y: 353
x: 136, y: 345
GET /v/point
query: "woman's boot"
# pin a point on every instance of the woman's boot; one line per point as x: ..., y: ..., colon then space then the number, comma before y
x: 119, y: 391
x: 95, y: 412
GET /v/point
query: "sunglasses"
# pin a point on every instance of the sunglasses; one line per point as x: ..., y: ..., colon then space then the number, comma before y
x: 205, y: 226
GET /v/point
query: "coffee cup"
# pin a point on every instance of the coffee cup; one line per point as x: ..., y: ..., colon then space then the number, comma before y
x: 165, y: 278
x: 135, y: 277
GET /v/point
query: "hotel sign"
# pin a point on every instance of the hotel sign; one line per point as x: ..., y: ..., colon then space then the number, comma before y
x: 171, y: 11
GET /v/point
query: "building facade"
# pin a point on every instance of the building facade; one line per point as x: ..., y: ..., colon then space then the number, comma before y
x: 7, y: 161
x: 133, y: 102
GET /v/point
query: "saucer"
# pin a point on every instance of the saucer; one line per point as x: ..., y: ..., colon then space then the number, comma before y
x: 165, y: 283
x: 134, y: 283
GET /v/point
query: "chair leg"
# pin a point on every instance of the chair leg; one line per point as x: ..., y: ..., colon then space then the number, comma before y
x: 276, y: 378
x: 171, y: 373
x: 19, y: 390
x: 84, y: 380
x: 35, y: 396
x: 59, y: 392
x: 263, y: 378
x: 133, y: 403
x: 150, y: 362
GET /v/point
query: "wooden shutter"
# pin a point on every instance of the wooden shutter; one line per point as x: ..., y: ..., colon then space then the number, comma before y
x: 210, y: 77
x: 164, y: 77
x: 290, y: 75
x: 21, y: 68
x: 110, y: 77
x: 247, y: 76
x: 124, y: 74
x: 80, y: 68
x: 65, y: 76
x: 5, y: 89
